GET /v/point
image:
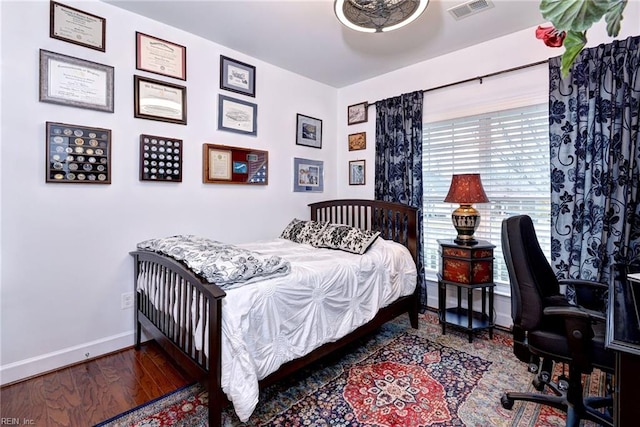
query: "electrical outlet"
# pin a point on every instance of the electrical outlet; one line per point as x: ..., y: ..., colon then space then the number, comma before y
x: 126, y: 300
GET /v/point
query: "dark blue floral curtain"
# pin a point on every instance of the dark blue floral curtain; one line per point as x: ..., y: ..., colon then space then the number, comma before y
x: 595, y: 161
x: 398, y: 161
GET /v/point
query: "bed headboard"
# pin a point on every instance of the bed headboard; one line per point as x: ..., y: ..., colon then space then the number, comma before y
x: 394, y: 221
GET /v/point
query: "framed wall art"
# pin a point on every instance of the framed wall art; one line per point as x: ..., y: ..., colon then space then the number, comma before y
x: 357, y: 113
x: 158, y: 100
x: 308, y: 131
x: 77, y: 154
x: 357, y: 172
x: 160, y: 159
x: 75, y: 82
x: 237, y: 76
x: 308, y: 175
x: 160, y: 56
x: 236, y: 115
x: 357, y: 141
x: 76, y: 26
x: 222, y: 164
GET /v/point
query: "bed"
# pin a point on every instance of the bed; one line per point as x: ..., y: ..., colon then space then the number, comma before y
x: 195, y: 321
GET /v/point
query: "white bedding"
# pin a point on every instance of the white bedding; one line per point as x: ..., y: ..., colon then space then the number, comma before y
x: 328, y: 294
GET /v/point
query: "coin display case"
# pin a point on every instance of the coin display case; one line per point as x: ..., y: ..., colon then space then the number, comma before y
x: 78, y: 154
x: 160, y: 159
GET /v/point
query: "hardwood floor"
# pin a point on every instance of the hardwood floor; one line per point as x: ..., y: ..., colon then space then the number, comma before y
x: 91, y: 392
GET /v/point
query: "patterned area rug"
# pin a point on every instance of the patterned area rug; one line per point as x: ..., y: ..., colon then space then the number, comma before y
x: 398, y: 377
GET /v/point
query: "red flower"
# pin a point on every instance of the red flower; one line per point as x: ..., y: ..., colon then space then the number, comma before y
x: 550, y: 36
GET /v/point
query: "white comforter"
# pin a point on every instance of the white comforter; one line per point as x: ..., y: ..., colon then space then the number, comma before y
x: 328, y: 294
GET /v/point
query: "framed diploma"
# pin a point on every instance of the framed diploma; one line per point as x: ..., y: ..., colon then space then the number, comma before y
x: 237, y: 76
x: 76, y: 26
x: 222, y: 164
x: 75, y: 82
x: 158, y: 100
x: 236, y: 115
x: 160, y: 56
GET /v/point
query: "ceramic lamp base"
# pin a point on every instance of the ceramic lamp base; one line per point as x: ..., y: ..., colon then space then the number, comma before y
x: 466, y: 220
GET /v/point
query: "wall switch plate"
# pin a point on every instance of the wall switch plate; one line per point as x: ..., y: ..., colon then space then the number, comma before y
x: 126, y: 300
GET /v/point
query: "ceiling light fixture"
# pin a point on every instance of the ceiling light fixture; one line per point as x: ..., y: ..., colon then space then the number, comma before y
x: 375, y: 16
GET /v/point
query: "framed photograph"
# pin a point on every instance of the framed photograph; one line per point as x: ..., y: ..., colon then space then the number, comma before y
x: 308, y: 131
x: 236, y: 115
x: 78, y: 27
x: 357, y: 113
x: 158, y: 100
x: 222, y: 164
x: 160, y: 159
x: 75, y: 82
x: 160, y: 56
x: 308, y: 175
x: 237, y: 76
x: 357, y: 141
x: 357, y: 172
x: 77, y: 154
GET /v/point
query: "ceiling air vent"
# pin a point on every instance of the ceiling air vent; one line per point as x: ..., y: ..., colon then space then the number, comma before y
x: 469, y: 8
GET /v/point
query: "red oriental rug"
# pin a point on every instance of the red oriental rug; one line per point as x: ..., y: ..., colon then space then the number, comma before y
x: 397, y: 377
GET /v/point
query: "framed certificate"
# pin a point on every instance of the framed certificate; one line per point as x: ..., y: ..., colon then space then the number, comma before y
x: 160, y: 56
x: 78, y: 27
x: 222, y: 164
x: 75, y: 82
x: 158, y: 100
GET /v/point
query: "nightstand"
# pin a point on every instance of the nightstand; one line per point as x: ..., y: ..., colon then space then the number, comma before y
x: 469, y: 268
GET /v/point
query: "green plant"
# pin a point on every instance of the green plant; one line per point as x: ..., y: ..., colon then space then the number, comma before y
x: 575, y: 17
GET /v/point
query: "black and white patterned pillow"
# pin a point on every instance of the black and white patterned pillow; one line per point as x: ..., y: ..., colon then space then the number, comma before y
x: 300, y: 231
x: 347, y: 238
x: 226, y: 265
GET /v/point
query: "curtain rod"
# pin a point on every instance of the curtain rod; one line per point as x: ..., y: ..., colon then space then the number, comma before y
x: 480, y: 78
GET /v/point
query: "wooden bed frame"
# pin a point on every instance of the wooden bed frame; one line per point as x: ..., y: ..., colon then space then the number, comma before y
x: 394, y: 221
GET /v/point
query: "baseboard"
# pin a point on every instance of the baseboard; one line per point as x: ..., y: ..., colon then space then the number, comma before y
x: 38, y: 365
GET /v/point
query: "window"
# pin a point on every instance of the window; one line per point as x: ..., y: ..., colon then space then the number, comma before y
x: 510, y: 150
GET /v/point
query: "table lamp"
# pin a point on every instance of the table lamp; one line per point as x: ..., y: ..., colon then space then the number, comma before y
x: 466, y: 189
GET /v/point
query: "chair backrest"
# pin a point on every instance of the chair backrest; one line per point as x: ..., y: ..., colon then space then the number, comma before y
x: 531, y: 277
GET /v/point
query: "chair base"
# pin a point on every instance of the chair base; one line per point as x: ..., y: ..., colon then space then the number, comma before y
x: 568, y: 399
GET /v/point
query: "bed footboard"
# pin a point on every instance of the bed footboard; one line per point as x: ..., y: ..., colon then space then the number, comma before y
x: 177, y: 308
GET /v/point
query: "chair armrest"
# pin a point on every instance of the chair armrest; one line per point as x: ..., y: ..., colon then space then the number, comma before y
x: 577, y: 312
x: 589, y: 294
x: 579, y: 283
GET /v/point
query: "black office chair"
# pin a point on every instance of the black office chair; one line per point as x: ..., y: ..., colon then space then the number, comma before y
x: 547, y: 327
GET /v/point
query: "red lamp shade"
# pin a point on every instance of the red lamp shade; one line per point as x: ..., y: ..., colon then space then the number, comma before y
x: 466, y: 189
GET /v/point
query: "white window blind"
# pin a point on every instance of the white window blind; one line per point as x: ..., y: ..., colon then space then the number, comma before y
x: 510, y: 150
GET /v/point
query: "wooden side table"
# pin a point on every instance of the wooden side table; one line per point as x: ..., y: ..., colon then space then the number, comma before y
x: 470, y: 268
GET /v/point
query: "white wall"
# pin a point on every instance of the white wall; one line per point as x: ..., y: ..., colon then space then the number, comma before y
x: 503, y: 53
x: 65, y: 247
